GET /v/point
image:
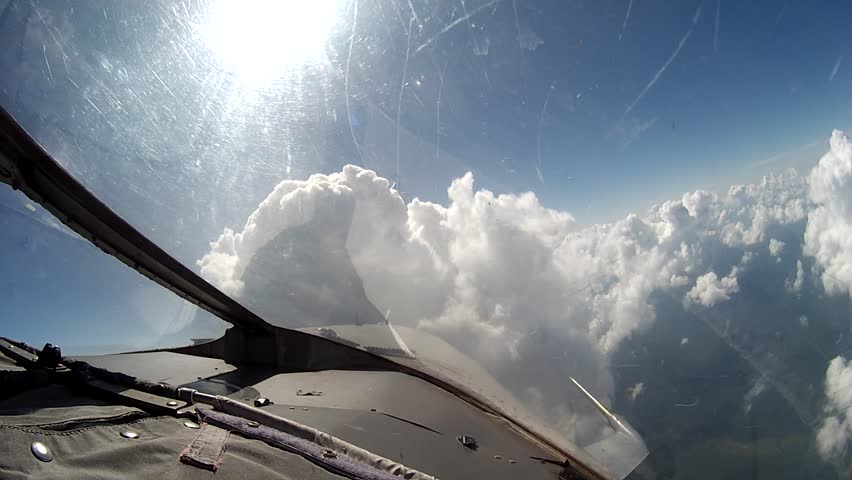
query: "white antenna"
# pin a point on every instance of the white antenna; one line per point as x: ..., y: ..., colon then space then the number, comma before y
x: 613, y: 421
x: 397, y: 337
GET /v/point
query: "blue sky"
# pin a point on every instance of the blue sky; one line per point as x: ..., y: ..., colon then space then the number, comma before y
x: 759, y: 88
x: 144, y: 112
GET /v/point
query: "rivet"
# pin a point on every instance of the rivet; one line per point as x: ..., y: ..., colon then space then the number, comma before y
x: 498, y: 457
x: 129, y: 434
x: 172, y: 403
x: 329, y: 453
x: 512, y: 461
x: 252, y: 423
x: 191, y: 424
x: 305, y: 408
x: 41, y: 452
x: 292, y: 408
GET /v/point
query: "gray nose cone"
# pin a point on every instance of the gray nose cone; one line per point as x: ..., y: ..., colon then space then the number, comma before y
x: 41, y: 452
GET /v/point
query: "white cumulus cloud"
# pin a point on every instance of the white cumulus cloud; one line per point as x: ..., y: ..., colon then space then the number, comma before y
x: 836, y: 429
x: 636, y: 390
x: 709, y: 289
x: 775, y: 247
x: 794, y: 284
x: 828, y: 236
x: 515, y: 285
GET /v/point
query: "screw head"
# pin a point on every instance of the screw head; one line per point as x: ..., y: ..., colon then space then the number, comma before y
x: 41, y: 452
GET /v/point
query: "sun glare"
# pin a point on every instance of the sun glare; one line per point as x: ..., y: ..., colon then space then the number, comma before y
x: 259, y: 40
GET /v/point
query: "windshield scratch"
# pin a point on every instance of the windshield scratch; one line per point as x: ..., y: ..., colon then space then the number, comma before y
x: 346, y: 82
x: 453, y: 24
x: 438, y: 111
x: 401, y: 92
x: 540, y: 126
x: 46, y: 62
x: 716, y: 26
x: 665, y: 65
x: 626, y: 18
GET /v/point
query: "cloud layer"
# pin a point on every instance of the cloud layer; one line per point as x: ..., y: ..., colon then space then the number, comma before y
x: 521, y: 288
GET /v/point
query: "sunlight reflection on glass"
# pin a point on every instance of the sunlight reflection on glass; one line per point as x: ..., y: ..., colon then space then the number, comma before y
x: 260, y: 40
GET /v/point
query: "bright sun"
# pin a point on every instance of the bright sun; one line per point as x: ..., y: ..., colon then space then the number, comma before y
x: 259, y: 40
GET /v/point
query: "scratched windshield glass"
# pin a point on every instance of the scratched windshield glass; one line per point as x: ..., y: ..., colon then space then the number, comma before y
x: 651, y: 198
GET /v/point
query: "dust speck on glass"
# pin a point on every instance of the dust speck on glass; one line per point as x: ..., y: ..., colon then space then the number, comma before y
x: 652, y: 198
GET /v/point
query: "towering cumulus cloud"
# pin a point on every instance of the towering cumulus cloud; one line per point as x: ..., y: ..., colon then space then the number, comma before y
x: 828, y: 238
x: 519, y: 287
x: 829, y: 233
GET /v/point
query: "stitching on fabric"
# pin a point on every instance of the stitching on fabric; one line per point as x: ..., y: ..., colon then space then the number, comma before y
x: 95, y: 420
x: 35, y: 429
